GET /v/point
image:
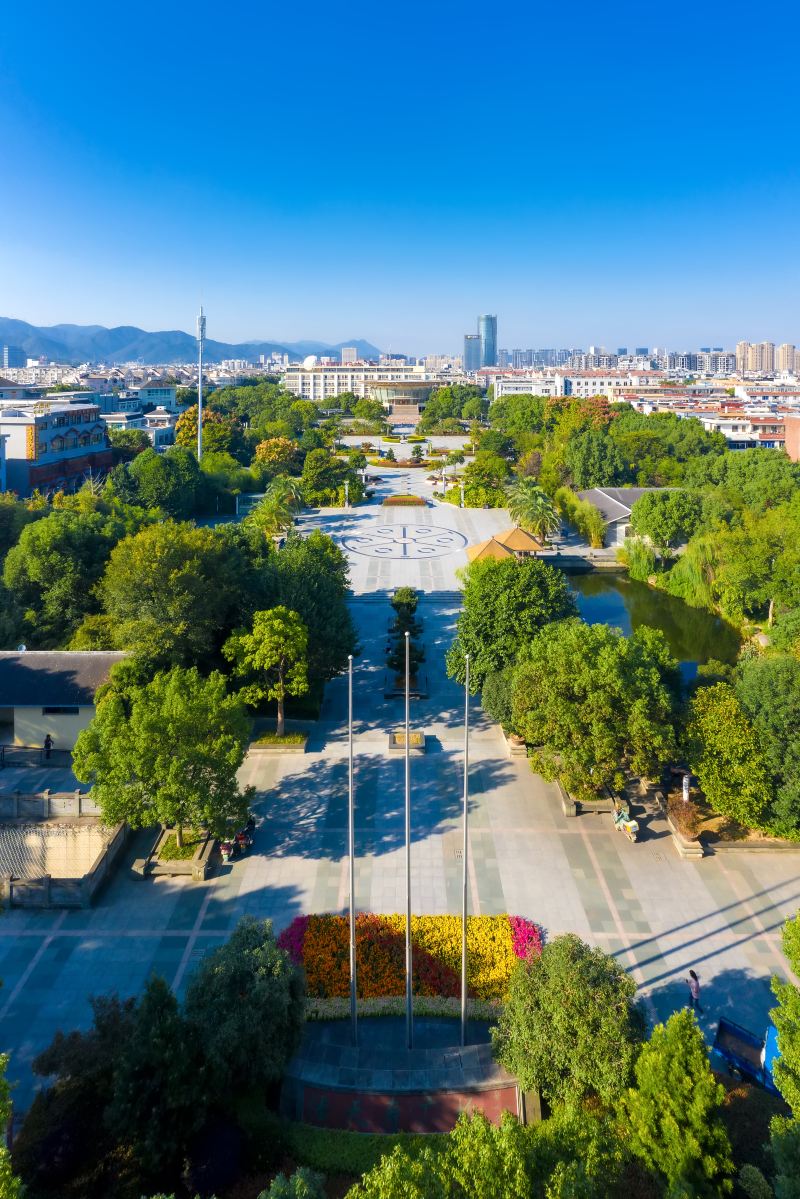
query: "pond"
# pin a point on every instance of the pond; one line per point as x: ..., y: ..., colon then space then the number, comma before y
x: 693, y: 634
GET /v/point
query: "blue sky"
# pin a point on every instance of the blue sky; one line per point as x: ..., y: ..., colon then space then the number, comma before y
x: 620, y: 173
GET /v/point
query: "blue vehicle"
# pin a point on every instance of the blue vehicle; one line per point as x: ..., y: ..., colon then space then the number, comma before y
x: 742, y: 1053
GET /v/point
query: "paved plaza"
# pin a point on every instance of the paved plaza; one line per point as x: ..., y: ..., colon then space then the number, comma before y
x: 658, y: 914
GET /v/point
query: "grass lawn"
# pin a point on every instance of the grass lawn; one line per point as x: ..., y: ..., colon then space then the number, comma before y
x: 284, y: 739
x: 172, y: 852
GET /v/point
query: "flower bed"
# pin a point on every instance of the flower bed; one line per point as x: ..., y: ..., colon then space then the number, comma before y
x: 320, y: 944
x: 403, y: 501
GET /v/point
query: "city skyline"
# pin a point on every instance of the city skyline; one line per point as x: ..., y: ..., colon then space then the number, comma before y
x: 297, y: 209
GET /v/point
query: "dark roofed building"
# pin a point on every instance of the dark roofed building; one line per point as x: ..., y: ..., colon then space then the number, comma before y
x: 50, y: 691
x: 614, y: 505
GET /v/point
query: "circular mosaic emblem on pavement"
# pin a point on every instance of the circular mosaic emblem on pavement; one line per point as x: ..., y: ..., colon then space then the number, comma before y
x: 405, y: 541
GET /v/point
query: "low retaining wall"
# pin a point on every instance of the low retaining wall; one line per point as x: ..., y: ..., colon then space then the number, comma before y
x: 43, y: 805
x: 382, y: 1086
x: 49, y: 892
x: 198, y: 866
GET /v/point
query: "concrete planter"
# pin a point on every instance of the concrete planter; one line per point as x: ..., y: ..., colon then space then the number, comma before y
x: 270, y: 751
x: 569, y: 806
x: 397, y: 744
x: 687, y: 847
x: 198, y: 867
x: 515, y: 746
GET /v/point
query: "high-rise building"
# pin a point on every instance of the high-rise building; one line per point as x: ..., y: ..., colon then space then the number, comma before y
x: 761, y: 357
x: 742, y: 356
x: 349, y: 355
x: 641, y: 351
x: 622, y: 351
x: 487, y: 331
x: 472, y: 352
x: 786, y: 357
x: 13, y: 358
x: 502, y: 359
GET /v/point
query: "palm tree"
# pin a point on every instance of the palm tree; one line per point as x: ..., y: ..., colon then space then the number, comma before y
x: 275, y: 513
x: 532, y: 509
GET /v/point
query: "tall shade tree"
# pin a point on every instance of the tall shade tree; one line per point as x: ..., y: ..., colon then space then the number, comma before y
x: 505, y: 604
x: 10, y: 1185
x: 159, y: 1097
x: 53, y: 571
x: 167, y: 753
x: 173, y: 592
x: 570, y: 1026
x: 276, y: 653
x: 594, y: 704
x: 672, y: 1115
x: 786, y: 1018
x: 724, y: 753
x: 311, y: 578
x: 246, y: 1004
x: 532, y: 508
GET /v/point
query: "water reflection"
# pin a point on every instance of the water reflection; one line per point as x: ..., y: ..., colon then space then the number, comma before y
x: 693, y: 634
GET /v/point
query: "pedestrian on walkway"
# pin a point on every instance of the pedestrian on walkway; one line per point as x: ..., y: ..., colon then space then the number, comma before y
x: 694, y: 992
x: 48, y: 745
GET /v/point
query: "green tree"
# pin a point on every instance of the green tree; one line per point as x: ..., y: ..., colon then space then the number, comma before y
x: 570, y: 1027
x: 10, y: 1186
x: 303, y: 1184
x: 275, y: 513
x: 159, y: 1097
x: 245, y: 1004
x: 593, y: 460
x: 127, y: 443
x: 400, y: 1176
x: 671, y: 1117
x: 496, y: 696
x: 786, y: 1018
x: 52, y: 572
x: 173, y: 592
x: 505, y: 604
x: 276, y: 652
x: 485, y: 1160
x: 171, y: 482
x: 785, y: 1148
x: 167, y: 752
x: 14, y: 516
x: 594, y: 704
x: 311, y: 577
x: 668, y: 518
x: 368, y: 410
x: 278, y: 455
x: 768, y: 689
x: 62, y: 1138
x: 723, y: 752
x: 532, y: 508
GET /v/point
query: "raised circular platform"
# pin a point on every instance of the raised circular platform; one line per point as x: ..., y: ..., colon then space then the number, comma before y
x: 381, y: 1086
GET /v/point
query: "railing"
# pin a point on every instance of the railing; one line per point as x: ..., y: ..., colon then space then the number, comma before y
x: 32, y: 755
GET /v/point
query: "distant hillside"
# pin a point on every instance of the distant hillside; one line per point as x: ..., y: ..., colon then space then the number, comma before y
x: 126, y: 343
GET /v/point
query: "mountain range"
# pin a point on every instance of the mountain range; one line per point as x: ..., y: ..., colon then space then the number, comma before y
x: 95, y: 343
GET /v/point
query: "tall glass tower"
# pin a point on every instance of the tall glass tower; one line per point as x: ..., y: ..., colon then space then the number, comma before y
x: 472, y: 352
x: 487, y: 331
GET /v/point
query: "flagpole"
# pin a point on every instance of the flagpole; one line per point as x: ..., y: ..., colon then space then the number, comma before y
x: 351, y: 853
x: 465, y: 858
x: 409, y: 1004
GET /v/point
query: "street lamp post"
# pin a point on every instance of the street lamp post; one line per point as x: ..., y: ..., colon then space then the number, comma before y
x: 461, y: 485
x: 351, y: 852
x: 347, y: 493
x: 465, y: 859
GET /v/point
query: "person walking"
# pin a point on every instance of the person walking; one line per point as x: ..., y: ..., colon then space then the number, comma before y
x: 694, y: 992
x: 48, y: 745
